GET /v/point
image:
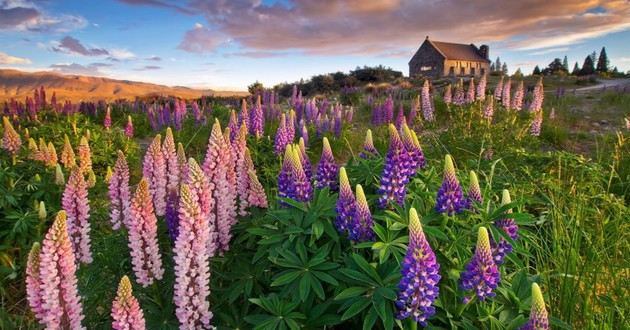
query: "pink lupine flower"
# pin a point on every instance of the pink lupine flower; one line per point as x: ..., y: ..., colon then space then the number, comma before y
x: 119, y: 195
x: 202, y: 189
x: 233, y: 125
x: 129, y: 128
x: 67, y: 154
x: 242, y: 178
x: 126, y: 310
x: 34, y: 283
x: 538, y: 97
x: 107, y: 122
x: 154, y: 170
x: 11, y: 141
x: 427, y: 105
x: 76, y: 204
x: 60, y: 301
x: 517, y: 100
x: 244, y: 115
x: 85, y: 155
x: 170, y: 160
x: 192, y: 269
x: 256, y: 193
x: 143, y: 243
x: 182, y: 161
x: 481, y: 88
x: 505, y: 95
x: 498, y: 90
x: 470, y: 94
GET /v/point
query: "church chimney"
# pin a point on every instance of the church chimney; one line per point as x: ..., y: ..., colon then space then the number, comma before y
x: 484, y: 51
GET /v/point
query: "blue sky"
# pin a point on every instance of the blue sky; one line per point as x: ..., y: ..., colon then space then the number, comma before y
x: 229, y: 44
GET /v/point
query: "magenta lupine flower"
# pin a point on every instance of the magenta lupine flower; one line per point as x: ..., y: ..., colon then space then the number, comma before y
x: 368, y: 146
x: 282, y: 139
x: 394, y: 179
x: 488, y: 109
x: 119, y: 195
x: 459, y: 98
x: 361, y: 226
x: 77, y: 206
x: 538, y: 317
x: 481, y: 273
x: 60, y: 302
x: 290, y: 126
x: 450, y: 197
x: 327, y: 169
x: 143, y: 242
x: 11, y: 141
x: 448, y: 94
x: 536, y: 123
x: 517, y: 99
x: 154, y: 170
x: 509, y: 226
x: 129, y: 128
x: 244, y: 114
x: 470, y: 93
x: 420, y: 271
x: 256, y: 193
x: 307, y: 167
x: 481, y: 88
x: 169, y: 153
x: 538, y: 97
x: 304, y: 132
x: 258, y: 120
x: 400, y: 117
x: 202, y: 188
x: 34, y: 282
x: 498, y: 89
x: 427, y: 104
x: 107, y: 122
x: 345, y: 203
x: 192, y: 268
x: 474, y: 191
x: 233, y: 125
x: 388, y: 109
x: 126, y: 310
x: 506, y: 93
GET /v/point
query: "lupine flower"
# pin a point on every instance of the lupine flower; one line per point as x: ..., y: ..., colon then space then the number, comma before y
x: 42, y: 155
x: 505, y: 94
x: 284, y: 176
x: 154, y: 170
x: 394, y: 179
x: 307, y: 167
x: 552, y: 116
x: 474, y: 191
x: 427, y: 105
x: 85, y: 155
x: 413, y: 112
x: 448, y: 94
x: 450, y: 198
x: 537, y: 98
x: 292, y: 182
x: 481, y: 88
x: 498, y: 90
x: 233, y: 125
x: 282, y: 139
x: 129, y: 128
x: 538, y: 317
x: 290, y: 126
x: 256, y: 195
x: 346, y: 203
x: 169, y: 154
x: 202, y: 188
x: 51, y: 161
x: 119, y: 195
x: 33, y: 150
x: 60, y: 179
x: 239, y: 147
x: 67, y: 154
x: 34, y: 282
x: 126, y: 310
x: 418, y: 287
x: 509, y: 226
x: 143, y: 243
x: 470, y: 94
x: 182, y: 161
x: 517, y: 100
x: 11, y: 141
x: 361, y: 226
x: 327, y: 169
x: 107, y: 122
x: 91, y: 179
x: 108, y: 174
x: 368, y: 146
x: 258, y: 120
x: 192, y: 268
x: 536, y: 123
x: 60, y: 302
x: 76, y: 204
x: 244, y: 114
x: 171, y: 215
x: 304, y: 133
x: 459, y: 98
x: 416, y: 159
x: 400, y: 118
x: 481, y: 273
x: 41, y: 211
x: 488, y: 109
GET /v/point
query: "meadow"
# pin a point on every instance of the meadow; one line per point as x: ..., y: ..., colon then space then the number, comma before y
x: 438, y: 206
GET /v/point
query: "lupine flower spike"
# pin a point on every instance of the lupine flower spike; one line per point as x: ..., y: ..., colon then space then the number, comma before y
x: 154, y: 170
x: 60, y: 179
x: 450, y: 197
x: 509, y: 226
x: 119, y: 194
x: 129, y: 128
x: 418, y: 287
x: 368, y: 146
x: 76, y: 204
x: 488, y: 109
x: 394, y: 179
x: 202, y: 189
x: 85, y: 155
x: 306, y: 162
x: 481, y: 273
x: 538, y: 317
x: 11, y: 141
x: 361, y: 227
x: 345, y: 203
x: 427, y: 105
x: 169, y: 153
x: 474, y: 191
x: 41, y: 211
x: 256, y: 195
x: 107, y: 122
x: 536, y: 123
x: 143, y: 243
x: 327, y: 169
x: 51, y: 161
x: 126, y: 310
x: 302, y: 189
x: 34, y: 283
x: 67, y: 154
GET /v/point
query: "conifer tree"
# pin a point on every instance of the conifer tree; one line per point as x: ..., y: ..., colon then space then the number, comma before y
x: 602, y: 62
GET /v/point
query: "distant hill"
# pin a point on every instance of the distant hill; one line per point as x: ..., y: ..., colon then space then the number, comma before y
x: 18, y: 84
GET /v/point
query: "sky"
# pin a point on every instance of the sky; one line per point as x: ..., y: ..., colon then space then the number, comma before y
x: 228, y: 44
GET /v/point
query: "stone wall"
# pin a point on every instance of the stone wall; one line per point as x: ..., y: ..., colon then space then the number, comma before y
x: 427, y: 62
x: 465, y: 68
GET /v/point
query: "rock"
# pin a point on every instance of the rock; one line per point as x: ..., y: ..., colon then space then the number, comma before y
x: 603, y: 122
x: 596, y: 124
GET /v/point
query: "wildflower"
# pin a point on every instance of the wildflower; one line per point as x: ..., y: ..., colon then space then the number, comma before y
x: 34, y: 283
x: 517, y: 100
x: 129, y: 128
x: 182, y: 161
x: 154, y: 170
x: 304, y: 133
x: 505, y: 96
x: 625, y: 119
x: 474, y: 191
x: 488, y: 109
x: 292, y: 182
x: 258, y: 120
x: 400, y: 118
x: 416, y: 160
x: 239, y: 146
x: 85, y: 155
x: 107, y: 122
x: 306, y: 162
x: 538, y: 317
x: 481, y: 272
x: 470, y: 94
x: 91, y: 180
x: 51, y: 160
x: 76, y: 205
x: 119, y: 195
x: 282, y: 138
x: 171, y: 215
x: 126, y: 310
x: 418, y: 288
x: 361, y: 227
x: 192, y: 269
x: 459, y: 98
x: 327, y: 169
x: 67, y: 154
x: 394, y: 179
x: 534, y: 129
x: 143, y: 243
x: 200, y: 186
x: 169, y: 154
x: 244, y: 114
x: 11, y: 141
x: 41, y: 211
x: 33, y: 150
x: 427, y: 104
x: 450, y: 197
x: 257, y: 196
x: 413, y: 112
x: 481, y: 88
x: 108, y: 174
x: 368, y: 146
x: 345, y: 203
x: 509, y: 226
x: 498, y: 89
x: 537, y: 98
x: 60, y: 180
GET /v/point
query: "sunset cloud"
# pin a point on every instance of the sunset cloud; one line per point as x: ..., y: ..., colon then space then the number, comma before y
x: 71, y: 45
x: 201, y: 40
x: 8, y: 59
x: 79, y: 69
x: 26, y: 16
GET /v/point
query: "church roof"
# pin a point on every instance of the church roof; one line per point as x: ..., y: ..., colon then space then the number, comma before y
x: 454, y: 51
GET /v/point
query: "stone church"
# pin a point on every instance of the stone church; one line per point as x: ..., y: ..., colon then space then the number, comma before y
x: 439, y: 59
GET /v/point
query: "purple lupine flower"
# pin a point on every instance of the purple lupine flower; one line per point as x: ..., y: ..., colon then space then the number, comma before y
x: 416, y: 160
x: 304, y: 132
x: 258, y: 120
x: 538, y: 317
x: 506, y: 93
x: 368, y: 146
x: 536, y: 123
x: 282, y: 138
x: 470, y: 93
x: 481, y: 273
x: 474, y: 191
x: 394, y: 180
x: 448, y: 94
x: 498, y: 89
x: 459, y: 98
x: 517, y: 99
x: 418, y: 287
x: 400, y: 117
x: 361, y: 227
x: 450, y: 197
x: 302, y: 190
x: 509, y: 226
x: 171, y: 215
x: 244, y: 115
x: 488, y: 109
x: 327, y: 169
x: 481, y: 88
x: 345, y: 203
x: 284, y: 177
x: 233, y: 126
x: 388, y: 109
x: 306, y: 162
x: 427, y: 105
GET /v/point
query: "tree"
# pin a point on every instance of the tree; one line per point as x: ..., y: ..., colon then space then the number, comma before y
x: 504, y: 68
x: 587, y: 68
x: 555, y: 67
x: 576, y: 69
x: 518, y: 73
x: 594, y: 56
x: 492, y: 68
x: 255, y: 88
x: 602, y: 62
x: 497, y: 64
x: 536, y: 70
x: 565, y: 64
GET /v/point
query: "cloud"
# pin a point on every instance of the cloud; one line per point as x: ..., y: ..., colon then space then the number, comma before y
x: 8, y: 59
x: 149, y: 68
x: 255, y: 54
x: 79, y: 69
x: 71, y: 45
x: 154, y: 58
x: 201, y: 40
x: 25, y: 15
x: 121, y: 54
x: 157, y: 3
x: 550, y: 50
